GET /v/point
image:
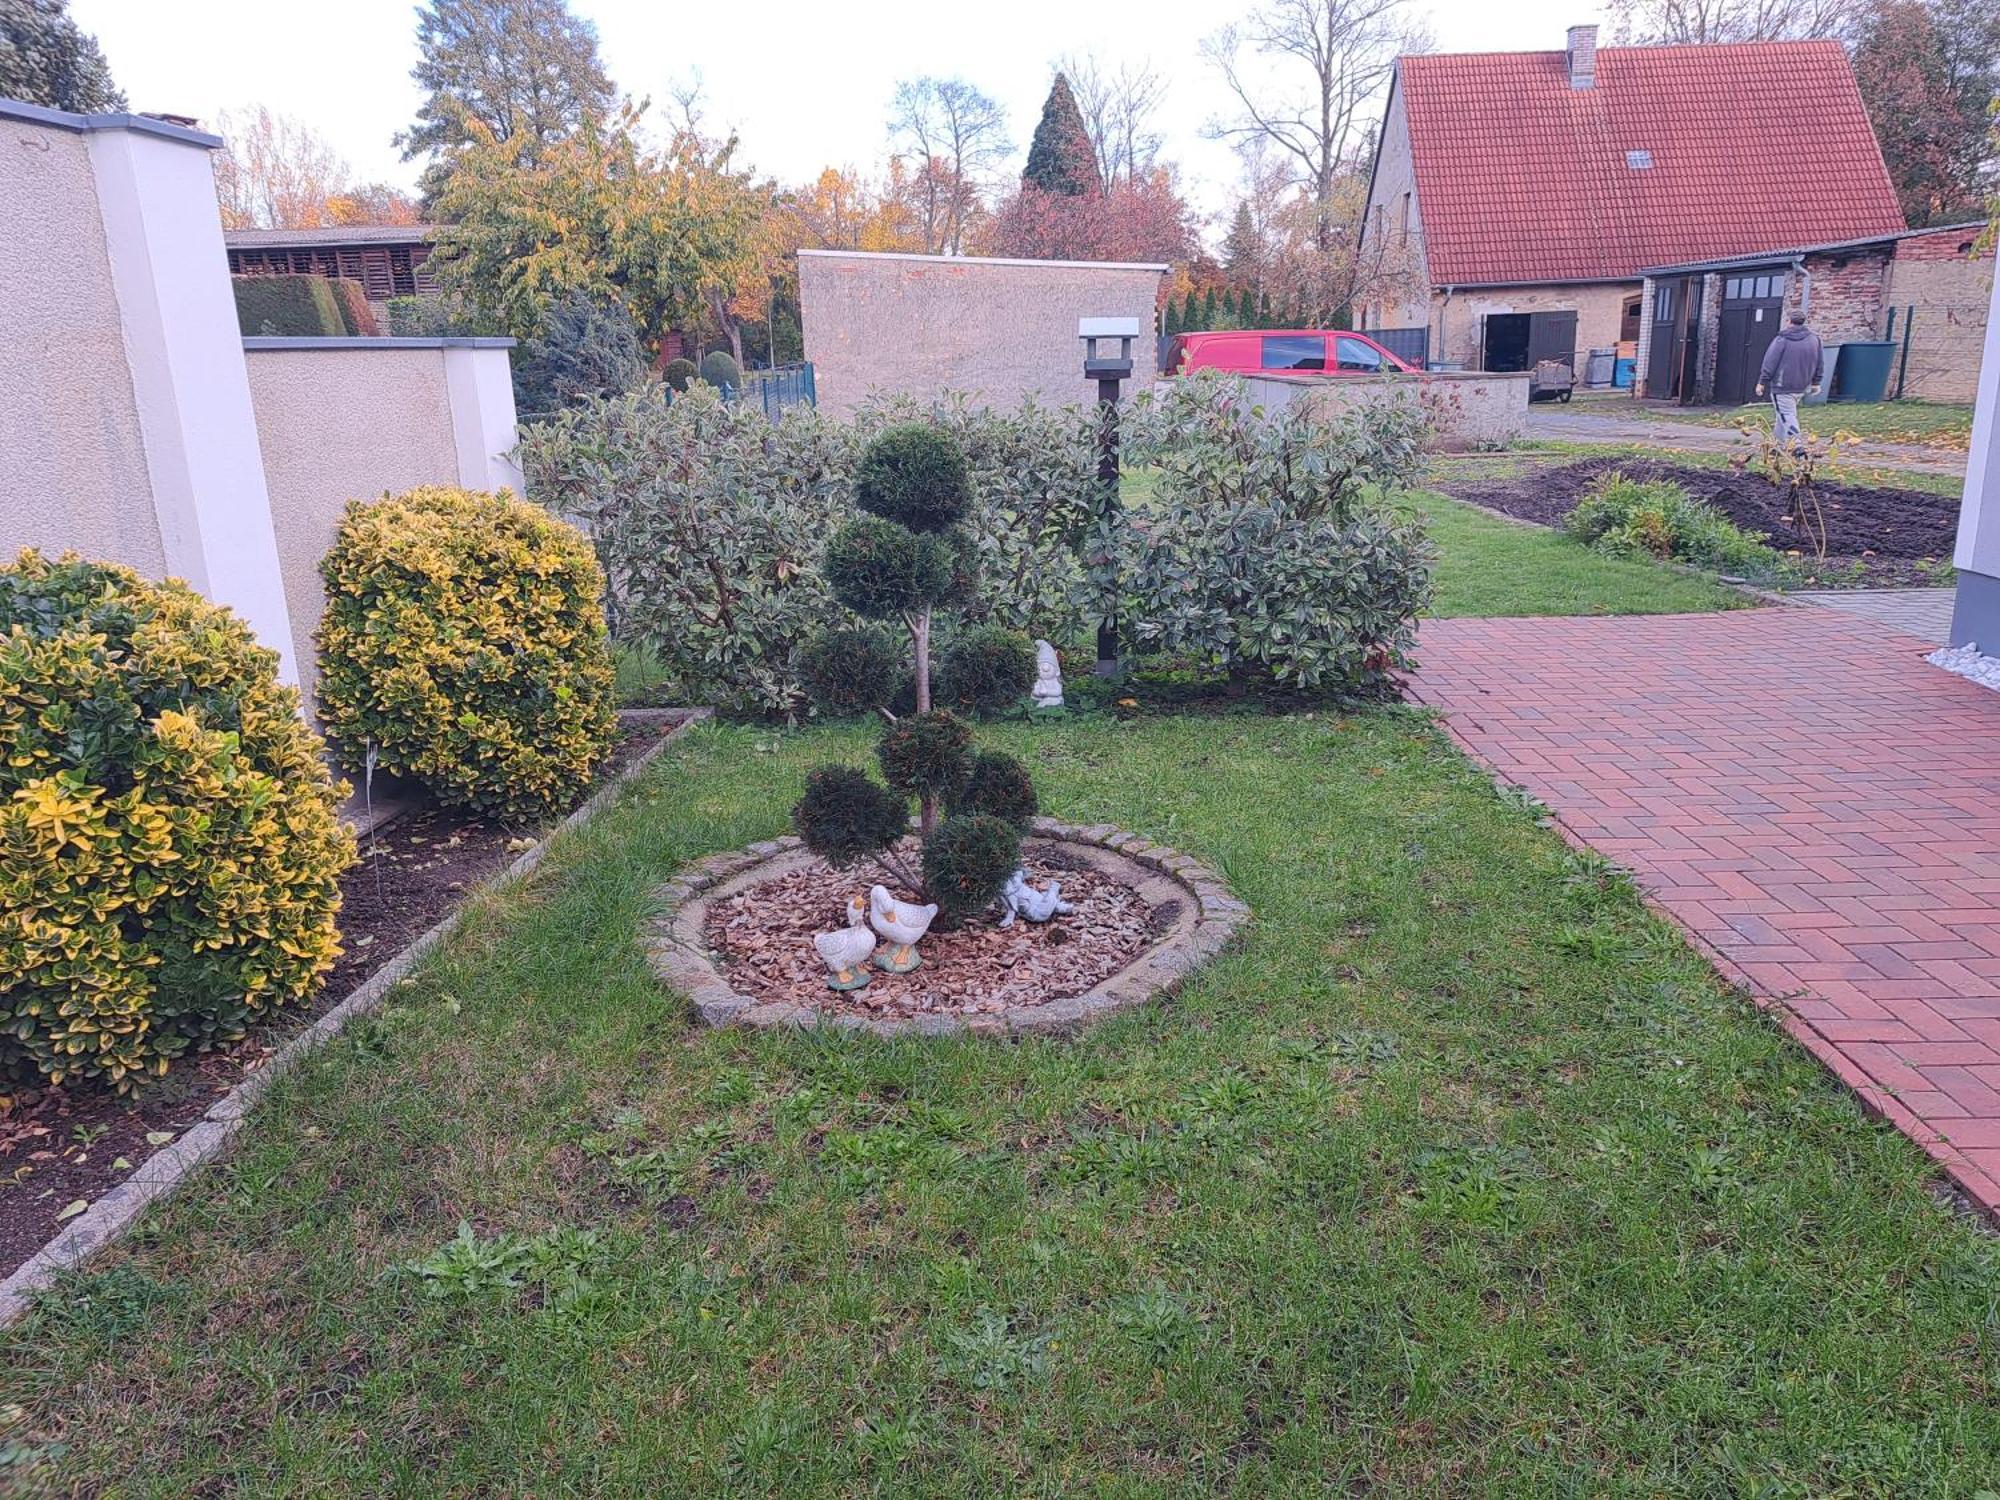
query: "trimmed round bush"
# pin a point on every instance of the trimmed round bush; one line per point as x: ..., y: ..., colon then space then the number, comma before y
x: 679, y: 374
x: 967, y: 861
x: 851, y: 670
x: 884, y: 571
x: 719, y: 369
x: 985, y: 670
x: 464, y: 639
x: 170, y: 846
x: 999, y: 786
x: 916, y: 476
x: 926, y: 755
x: 847, y: 816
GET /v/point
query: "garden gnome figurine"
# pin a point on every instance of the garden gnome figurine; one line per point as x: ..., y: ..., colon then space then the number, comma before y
x: 1048, y: 676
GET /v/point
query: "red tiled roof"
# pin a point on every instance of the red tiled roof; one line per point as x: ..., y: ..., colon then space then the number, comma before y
x: 1521, y: 178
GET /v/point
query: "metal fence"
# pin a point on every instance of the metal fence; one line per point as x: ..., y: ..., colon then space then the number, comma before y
x: 1411, y: 345
x: 776, y: 389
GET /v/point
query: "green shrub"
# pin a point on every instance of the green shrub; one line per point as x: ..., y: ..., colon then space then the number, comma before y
x: 852, y: 670
x: 1266, y: 546
x: 170, y: 846
x: 846, y: 816
x: 914, y: 475
x: 438, y: 315
x: 967, y: 861
x: 887, y: 572
x: 719, y: 370
x: 298, y: 307
x: 357, y: 316
x: 984, y: 670
x: 588, y: 346
x: 1626, y: 517
x: 680, y: 374
x: 464, y: 640
x: 999, y: 786
x: 926, y: 755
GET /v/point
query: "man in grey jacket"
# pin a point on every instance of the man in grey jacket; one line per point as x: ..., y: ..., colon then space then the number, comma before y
x: 1794, y: 366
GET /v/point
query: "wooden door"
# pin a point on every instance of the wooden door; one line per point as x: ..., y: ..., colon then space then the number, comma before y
x: 1552, y: 335
x: 1744, y: 333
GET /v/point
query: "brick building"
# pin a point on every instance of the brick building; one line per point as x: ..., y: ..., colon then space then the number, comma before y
x: 1527, y: 191
x: 1705, y: 324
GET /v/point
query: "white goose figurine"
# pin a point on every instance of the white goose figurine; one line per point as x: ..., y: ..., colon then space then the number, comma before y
x: 846, y: 950
x: 1021, y: 899
x: 902, y: 925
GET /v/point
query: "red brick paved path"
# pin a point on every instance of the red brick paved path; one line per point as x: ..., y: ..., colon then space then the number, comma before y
x: 1802, y: 792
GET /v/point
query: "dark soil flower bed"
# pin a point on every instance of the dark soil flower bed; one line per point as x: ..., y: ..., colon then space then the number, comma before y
x: 60, y: 1147
x: 1875, y: 537
x: 762, y: 937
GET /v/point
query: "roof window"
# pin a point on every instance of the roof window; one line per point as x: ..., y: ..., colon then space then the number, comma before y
x: 1639, y: 161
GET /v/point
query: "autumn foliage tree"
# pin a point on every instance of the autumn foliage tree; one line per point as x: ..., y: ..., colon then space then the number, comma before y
x: 1928, y: 72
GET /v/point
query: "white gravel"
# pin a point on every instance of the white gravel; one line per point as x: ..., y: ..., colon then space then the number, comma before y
x: 1967, y: 662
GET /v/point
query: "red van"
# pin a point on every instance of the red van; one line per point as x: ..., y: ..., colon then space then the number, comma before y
x: 1290, y: 351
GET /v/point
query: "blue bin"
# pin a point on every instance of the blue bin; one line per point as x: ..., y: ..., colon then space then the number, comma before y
x: 1624, y: 373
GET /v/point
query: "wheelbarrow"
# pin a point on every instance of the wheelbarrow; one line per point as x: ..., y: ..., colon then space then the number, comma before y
x: 1551, y: 380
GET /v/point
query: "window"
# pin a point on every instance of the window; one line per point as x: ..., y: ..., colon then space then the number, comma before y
x: 1638, y: 161
x: 1353, y: 354
x: 1294, y: 351
x: 1663, y: 302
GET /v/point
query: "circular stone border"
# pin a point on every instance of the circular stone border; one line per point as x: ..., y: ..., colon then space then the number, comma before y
x: 1208, y: 917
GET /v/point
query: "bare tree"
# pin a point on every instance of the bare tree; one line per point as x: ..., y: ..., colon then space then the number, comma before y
x: 1349, y: 47
x: 1685, y: 21
x: 957, y: 136
x: 276, y: 172
x: 1118, y: 109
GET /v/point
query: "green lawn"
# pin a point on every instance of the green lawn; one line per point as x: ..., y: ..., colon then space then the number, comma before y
x: 1459, y: 1176
x: 1488, y: 566
x: 1930, y: 424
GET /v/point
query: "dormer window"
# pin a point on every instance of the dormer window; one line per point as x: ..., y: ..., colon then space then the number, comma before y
x: 1639, y: 161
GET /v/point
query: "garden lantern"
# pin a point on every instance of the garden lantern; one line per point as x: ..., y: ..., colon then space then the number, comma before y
x: 1109, y: 370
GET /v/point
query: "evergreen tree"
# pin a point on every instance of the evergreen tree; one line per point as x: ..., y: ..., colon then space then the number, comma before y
x: 527, y: 70
x: 1060, y: 158
x: 45, y: 60
x: 1264, y: 311
x: 1208, y: 308
x: 1242, y: 252
x: 1173, y: 323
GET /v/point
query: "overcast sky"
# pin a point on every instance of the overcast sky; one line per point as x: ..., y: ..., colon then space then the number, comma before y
x: 806, y: 85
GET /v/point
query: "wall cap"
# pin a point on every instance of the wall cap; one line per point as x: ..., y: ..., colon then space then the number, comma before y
x: 62, y: 119
x: 1331, y: 382
x: 257, y: 344
x: 991, y: 260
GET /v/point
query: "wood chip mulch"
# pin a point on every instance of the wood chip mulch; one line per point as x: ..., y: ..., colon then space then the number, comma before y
x: 762, y: 939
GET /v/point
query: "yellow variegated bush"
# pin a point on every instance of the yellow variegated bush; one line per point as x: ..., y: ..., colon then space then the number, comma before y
x: 170, y: 850
x: 464, y: 641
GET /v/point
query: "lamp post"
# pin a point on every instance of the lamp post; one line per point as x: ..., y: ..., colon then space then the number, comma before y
x: 1109, y: 371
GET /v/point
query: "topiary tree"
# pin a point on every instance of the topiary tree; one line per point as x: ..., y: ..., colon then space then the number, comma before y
x: 170, y: 841
x: 720, y: 371
x: 464, y: 645
x: 899, y: 560
x: 985, y: 670
x: 851, y: 670
x: 679, y: 374
x: 998, y: 786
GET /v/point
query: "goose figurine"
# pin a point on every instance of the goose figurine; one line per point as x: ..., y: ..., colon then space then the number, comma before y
x: 901, y: 925
x: 846, y: 950
x: 1021, y: 899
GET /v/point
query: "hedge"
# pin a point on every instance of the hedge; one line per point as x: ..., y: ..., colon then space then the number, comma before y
x: 298, y: 307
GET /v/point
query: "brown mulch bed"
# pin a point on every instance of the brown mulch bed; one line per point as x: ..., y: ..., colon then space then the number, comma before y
x: 1887, y: 531
x: 762, y: 937
x: 61, y: 1146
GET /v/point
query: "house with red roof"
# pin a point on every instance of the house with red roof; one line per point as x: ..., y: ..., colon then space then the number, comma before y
x: 1529, y: 191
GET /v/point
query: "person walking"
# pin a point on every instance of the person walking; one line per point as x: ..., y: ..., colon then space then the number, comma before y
x: 1794, y: 365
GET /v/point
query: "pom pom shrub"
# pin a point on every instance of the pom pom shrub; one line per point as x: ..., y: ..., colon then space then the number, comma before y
x: 999, y: 786
x: 928, y: 755
x: 464, y: 638
x: 966, y: 862
x: 884, y: 571
x: 985, y: 670
x: 679, y: 374
x: 846, y: 816
x: 851, y: 671
x: 719, y: 370
x: 914, y: 475
x: 170, y: 853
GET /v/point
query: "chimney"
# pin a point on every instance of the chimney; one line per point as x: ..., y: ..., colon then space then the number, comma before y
x: 1582, y: 56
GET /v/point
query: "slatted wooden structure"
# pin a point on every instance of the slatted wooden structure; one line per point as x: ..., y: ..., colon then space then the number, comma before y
x: 388, y: 261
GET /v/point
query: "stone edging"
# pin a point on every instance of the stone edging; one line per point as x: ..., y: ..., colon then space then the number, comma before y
x: 107, y: 1219
x: 1208, y: 921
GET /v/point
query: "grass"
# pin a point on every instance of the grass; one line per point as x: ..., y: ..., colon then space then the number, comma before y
x: 1460, y: 1175
x: 1926, y: 424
